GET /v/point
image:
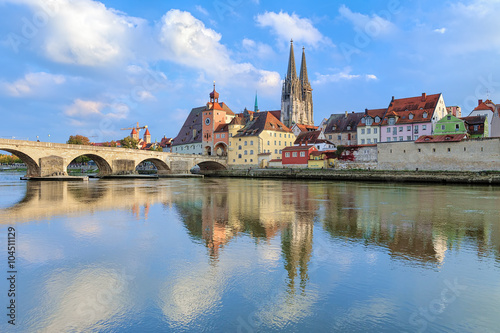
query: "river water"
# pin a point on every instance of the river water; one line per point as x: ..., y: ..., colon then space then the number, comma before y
x: 248, y: 255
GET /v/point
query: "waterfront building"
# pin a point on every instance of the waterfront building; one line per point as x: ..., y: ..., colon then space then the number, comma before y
x: 297, y: 156
x: 476, y: 126
x: 341, y: 129
x: 408, y: 118
x: 486, y: 108
x: 296, y: 95
x: 188, y: 141
x: 368, y: 128
x: 263, y: 132
x: 322, y: 159
x: 450, y: 125
x: 315, y: 138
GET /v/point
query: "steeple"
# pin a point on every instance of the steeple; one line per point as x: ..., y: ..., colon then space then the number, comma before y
x: 292, y: 72
x: 256, y: 107
x: 304, y: 80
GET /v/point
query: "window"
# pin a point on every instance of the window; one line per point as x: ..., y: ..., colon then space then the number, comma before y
x: 234, y: 160
x: 375, y: 140
x: 388, y: 139
x: 362, y: 131
x: 251, y: 160
x: 369, y: 141
x: 245, y: 160
x: 408, y: 138
x: 424, y: 127
x: 239, y: 155
x: 400, y: 138
x: 392, y: 121
x: 302, y: 154
x: 369, y: 121
x: 415, y: 137
x: 230, y: 135
x: 275, y: 142
x: 408, y: 128
x: 362, y: 141
x: 330, y: 137
x: 388, y: 130
x: 280, y: 135
x: 239, y: 147
x: 251, y: 152
x: 448, y: 117
x: 339, y: 137
x: 424, y: 115
x: 229, y: 142
x: 433, y: 150
x: 394, y: 130
x: 279, y: 142
x: 476, y: 127
x: 245, y: 153
x: 377, y: 119
x: 394, y: 138
x: 442, y: 127
x: 374, y: 131
x: 457, y: 127
x: 251, y: 143
x: 401, y: 128
x: 217, y: 136
x: 410, y: 116
x: 415, y: 129
x: 449, y: 150
x: 368, y: 131
x: 348, y: 128
x: 268, y: 143
x: 294, y: 154
x: 287, y: 154
x: 223, y: 135
x: 276, y: 151
x: 274, y: 134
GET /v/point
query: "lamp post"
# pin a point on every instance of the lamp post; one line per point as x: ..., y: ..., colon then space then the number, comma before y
x: 49, y: 137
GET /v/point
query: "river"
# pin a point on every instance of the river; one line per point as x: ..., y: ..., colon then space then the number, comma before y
x: 250, y: 255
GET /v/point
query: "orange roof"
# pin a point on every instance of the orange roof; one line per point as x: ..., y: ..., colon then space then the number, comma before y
x: 262, y: 121
x: 418, y: 109
x: 483, y: 106
x: 147, y: 132
x: 374, y: 113
x: 134, y: 131
x: 306, y: 128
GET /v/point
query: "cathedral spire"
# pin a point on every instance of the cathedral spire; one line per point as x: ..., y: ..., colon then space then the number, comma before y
x: 304, y: 80
x: 292, y: 72
x: 256, y: 107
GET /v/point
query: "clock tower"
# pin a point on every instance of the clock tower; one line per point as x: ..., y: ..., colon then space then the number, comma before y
x: 213, y: 116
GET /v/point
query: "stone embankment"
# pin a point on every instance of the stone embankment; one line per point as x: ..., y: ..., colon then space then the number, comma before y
x: 467, y: 177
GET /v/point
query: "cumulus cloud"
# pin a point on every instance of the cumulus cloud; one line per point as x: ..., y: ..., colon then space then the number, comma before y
x: 82, y: 109
x: 261, y: 50
x: 287, y: 27
x: 32, y: 83
x: 344, y: 75
x: 186, y: 40
x: 374, y: 26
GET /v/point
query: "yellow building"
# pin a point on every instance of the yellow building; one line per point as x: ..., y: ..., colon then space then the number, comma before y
x: 321, y: 160
x: 261, y: 133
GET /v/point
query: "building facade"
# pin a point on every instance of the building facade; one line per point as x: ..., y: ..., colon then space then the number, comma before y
x: 296, y: 95
x: 341, y: 129
x: 368, y: 129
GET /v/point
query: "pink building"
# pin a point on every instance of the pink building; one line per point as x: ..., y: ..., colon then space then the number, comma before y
x: 409, y: 118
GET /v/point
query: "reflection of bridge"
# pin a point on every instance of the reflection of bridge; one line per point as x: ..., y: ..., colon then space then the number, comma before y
x: 47, y: 159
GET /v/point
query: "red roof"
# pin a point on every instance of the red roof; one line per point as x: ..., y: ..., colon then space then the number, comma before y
x: 222, y: 128
x: 306, y: 128
x: 412, y: 109
x: 298, y: 148
x: 374, y: 113
x: 262, y: 121
x: 441, y: 138
x: 147, y: 132
x: 275, y: 160
x: 134, y: 131
x: 483, y: 106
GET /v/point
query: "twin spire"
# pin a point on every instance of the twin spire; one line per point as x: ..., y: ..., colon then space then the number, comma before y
x: 292, y: 71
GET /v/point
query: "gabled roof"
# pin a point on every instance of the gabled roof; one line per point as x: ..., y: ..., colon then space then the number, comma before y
x: 193, y: 122
x: 262, y: 121
x: 484, y: 106
x: 441, y: 138
x: 306, y: 128
x: 338, y: 123
x: 474, y: 120
x: 307, y: 138
x: 222, y: 128
x: 416, y: 106
x: 239, y: 119
x: 373, y: 113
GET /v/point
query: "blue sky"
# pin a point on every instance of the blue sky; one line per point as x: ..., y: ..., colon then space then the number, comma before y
x: 89, y: 67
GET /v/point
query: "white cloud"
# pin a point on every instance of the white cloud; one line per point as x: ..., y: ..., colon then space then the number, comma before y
x: 83, y: 32
x: 288, y: 27
x: 440, y: 31
x: 261, y: 50
x: 344, y: 75
x: 187, y: 41
x: 32, y: 83
x: 201, y: 10
x: 83, y: 109
x: 374, y: 26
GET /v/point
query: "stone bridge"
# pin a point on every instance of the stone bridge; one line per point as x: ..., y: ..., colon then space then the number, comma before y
x: 45, y: 159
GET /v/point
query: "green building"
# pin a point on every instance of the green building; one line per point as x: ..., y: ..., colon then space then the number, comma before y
x: 450, y: 124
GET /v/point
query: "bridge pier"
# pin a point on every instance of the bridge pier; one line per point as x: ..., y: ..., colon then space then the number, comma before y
x: 123, y: 167
x: 52, y: 166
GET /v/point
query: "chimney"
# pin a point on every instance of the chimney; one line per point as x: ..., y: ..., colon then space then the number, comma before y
x: 366, y: 112
x: 346, y: 114
x: 392, y: 100
x: 479, y: 101
x: 424, y: 96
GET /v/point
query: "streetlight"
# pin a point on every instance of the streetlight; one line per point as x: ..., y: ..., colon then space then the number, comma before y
x: 49, y: 137
x: 37, y: 140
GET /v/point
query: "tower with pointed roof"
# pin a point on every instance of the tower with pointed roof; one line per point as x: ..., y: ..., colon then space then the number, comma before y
x: 296, y: 95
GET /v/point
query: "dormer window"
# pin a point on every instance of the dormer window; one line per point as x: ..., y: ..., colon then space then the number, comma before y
x: 348, y: 128
x: 448, y: 117
x: 392, y: 121
x: 377, y: 119
x: 363, y: 121
x: 369, y: 121
x: 410, y: 116
x: 424, y: 115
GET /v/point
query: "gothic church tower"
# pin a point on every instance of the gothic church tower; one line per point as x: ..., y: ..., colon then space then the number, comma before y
x: 296, y: 96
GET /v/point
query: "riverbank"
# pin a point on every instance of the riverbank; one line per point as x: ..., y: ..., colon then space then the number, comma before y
x: 459, y: 177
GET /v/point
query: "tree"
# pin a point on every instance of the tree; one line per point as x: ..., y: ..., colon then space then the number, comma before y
x: 129, y: 142
x: 78, y: 140
x: 109, y: 144
x: 157, y: 148
x: 10, y: 159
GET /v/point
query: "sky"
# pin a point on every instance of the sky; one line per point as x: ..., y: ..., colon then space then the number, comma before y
x: 93, y: 67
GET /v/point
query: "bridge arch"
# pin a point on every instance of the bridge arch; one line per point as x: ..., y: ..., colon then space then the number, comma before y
x: 160, y: 165
x: 211, y: 165
x: 33, y: 167
x: 221, y: 149
x: 101, y: 162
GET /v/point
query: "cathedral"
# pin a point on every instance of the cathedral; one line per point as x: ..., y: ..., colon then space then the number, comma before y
x: 296, y: 96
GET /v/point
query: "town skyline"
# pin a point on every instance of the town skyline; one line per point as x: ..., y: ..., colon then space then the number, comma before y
x: 153, y: 63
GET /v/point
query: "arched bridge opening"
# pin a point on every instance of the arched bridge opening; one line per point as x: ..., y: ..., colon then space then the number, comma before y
x: 152, y: 166
x: 210, y: 166
x: 89, y: 163
x: 32, y: 167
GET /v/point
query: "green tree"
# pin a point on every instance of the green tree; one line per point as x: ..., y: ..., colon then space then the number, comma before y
x: 109, y: 144
x: 129, y: 142
x: 158, y: 148
x: 9, y: 159
x: 78, y: 140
